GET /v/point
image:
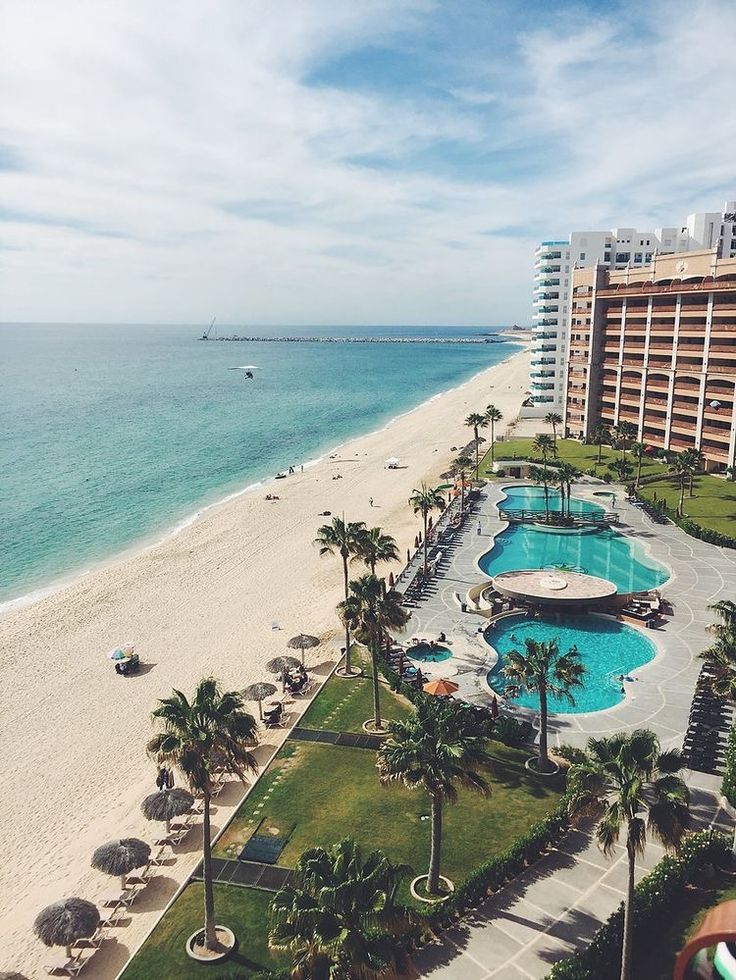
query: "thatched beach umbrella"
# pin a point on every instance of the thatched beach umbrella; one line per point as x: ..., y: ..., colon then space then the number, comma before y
x: 65, y: 923
x: 279, y: 664
x: 121, y: 856
x: 167, y: 804
x: 259, y: 692
x: 303, y: 642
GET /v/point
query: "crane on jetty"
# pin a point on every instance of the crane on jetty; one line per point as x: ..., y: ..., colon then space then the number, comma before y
x: 208, y: 331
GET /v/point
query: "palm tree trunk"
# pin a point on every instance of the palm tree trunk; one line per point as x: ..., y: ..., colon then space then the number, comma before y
x: 210, y: 936
x: 628, y: 916
x: 433, y: 878
x: 691, y: 481
x: 425, y: 515
x: 376, y: 690
x: 493, y: 439
x: 600, y: 450
x: 543, y: 756
x: 462, y: 493
x: 477, y: 461
x: 682, y: 494
x: 638, y: 469
x: 348, y: 666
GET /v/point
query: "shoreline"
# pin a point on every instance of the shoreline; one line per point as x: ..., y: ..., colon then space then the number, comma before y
x: 154, y: 539
x: 204, y: 601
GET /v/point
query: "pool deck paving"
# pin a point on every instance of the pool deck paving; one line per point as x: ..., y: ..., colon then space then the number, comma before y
x: 562, y: 900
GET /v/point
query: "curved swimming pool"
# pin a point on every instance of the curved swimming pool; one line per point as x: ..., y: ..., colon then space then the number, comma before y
x: 602, y: 552
x: 607, y: 648
x: 532, y: 498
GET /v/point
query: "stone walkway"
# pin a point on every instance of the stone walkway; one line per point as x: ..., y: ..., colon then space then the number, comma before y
x: 560, y: 902
x: 556, y: 906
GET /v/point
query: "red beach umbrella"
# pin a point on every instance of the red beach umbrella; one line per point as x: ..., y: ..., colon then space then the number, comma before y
x: 441, y: 686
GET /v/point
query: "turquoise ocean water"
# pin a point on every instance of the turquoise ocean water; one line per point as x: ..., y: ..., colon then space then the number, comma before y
x: 112, y: 434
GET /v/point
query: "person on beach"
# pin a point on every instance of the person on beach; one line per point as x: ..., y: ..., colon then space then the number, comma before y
x: 370, y: 501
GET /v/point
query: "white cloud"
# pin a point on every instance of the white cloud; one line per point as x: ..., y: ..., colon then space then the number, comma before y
x: 178, y: 162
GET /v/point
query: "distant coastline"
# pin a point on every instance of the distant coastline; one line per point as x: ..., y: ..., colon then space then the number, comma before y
x: 485, y: 339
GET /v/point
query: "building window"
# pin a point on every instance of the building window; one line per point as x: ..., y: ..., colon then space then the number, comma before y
x: 637, y: 257
x: 623, y: 256
x: 582, y: 256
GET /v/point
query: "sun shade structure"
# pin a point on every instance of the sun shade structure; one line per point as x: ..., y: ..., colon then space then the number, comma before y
x: 259, y: 692
x: 440, y: 686
x: 166, y: 804
x: 279, y: 664
x: 303, y: 642
x: 121, y: 856
x: 65, y: 923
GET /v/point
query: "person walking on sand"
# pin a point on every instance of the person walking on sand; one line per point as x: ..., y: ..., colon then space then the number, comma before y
x: 370, y: 501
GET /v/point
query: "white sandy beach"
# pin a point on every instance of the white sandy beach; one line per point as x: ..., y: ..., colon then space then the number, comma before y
x: 74, y: 769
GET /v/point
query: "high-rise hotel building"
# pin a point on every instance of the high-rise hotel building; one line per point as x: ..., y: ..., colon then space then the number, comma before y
x: 620, y: 248
x: 656, y: 346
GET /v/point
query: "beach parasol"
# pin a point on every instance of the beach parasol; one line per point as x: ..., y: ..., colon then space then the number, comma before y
x: 121, y: 653
x: 303, y: 642
x: 167, y: 804
x: 441, y: 686
x: 279, y: 664
x: 259, y: 692
x: 121, y: 856
x: 65, y: 923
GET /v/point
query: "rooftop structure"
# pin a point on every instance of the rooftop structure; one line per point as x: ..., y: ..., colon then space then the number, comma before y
x: 554, y: 588
x: 618, y: 248
x: 655, y: 347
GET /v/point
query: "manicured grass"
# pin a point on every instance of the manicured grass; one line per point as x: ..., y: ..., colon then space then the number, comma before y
x: 344, y: 704
x: 713, y: 506
x: 656, y: 957
x: 323, y: 793
x: 582, y: 456
x: 244, y: 910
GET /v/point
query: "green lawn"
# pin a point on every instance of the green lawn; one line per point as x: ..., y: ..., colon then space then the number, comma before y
x: 244, y: 910
x: 656, y: 959
x: 344, y: 704
x: 713, y: 506
x: 318, y: 794
x: 582, y: 456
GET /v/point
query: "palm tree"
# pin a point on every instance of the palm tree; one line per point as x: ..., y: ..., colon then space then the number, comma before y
x: 543, y: 670
x: 638, y: 451
x: 344, y: 537
x: 370, y: 612
x: 340, y: 917
x: 721, y: 655
x: 625, y: 431
x: 622, y: 468
x: 476, y: 421
x: 423, y: 501
x: 211, y: 731
x: 682, y: 465
x: 460, y: 469
x: 554, y: 419
x: 731, y: 472
x: 439, y: 748
x: 566, y: 473
x: 493, y: 415
x: 631, y: 785
x: 374, y: 546
x: 694, y: 458
x: 600, y: 434
x: 541, y: 476
x: 543, y: 446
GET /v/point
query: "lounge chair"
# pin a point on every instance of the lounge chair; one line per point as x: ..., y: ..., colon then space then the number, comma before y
x: 69, y: 967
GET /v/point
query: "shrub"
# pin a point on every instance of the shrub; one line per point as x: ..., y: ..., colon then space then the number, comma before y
x: 572, y: 753
x: 728, y: 786
x: 706, y: 534
x: 501, y: 473
x: 653, y: 900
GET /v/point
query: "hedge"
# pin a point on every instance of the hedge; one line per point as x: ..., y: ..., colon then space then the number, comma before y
x: 728, y: 786
x: 706, y: 534
x: 653, y: 900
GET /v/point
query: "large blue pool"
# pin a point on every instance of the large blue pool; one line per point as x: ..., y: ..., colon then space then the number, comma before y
x: 596, y: 551
x: 607, y: 648
x: 532, y: 498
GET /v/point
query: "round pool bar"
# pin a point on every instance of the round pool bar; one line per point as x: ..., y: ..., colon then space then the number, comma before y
x: 554, y: 588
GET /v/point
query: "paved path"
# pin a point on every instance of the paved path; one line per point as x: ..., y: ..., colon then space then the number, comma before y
x: 543, y: 915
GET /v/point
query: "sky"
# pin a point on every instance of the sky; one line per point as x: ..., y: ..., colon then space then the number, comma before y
x: 330, y: 162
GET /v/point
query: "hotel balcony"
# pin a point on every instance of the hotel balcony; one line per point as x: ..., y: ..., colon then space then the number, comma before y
x: 718, y: 435
x: 722, y: 326
x: 630, y: 312
x: 634, y: 401
x: 725, y: 412
x: 652, y: 402
x: 721, y: 369
x: 688, y: 311
x: 658, y: 386
x: 729, y: 349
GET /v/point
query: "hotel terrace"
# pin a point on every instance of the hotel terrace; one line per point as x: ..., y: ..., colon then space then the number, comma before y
x: 656, y: 346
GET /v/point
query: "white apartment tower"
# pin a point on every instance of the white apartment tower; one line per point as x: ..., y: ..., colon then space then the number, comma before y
x: 554, y: 262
